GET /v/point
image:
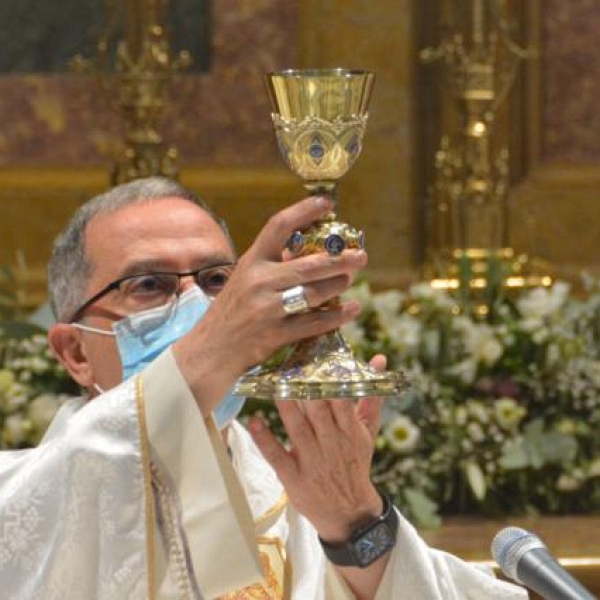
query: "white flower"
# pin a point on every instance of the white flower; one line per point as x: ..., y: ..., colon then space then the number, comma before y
x: 465, y: 370
x: 406, y: 465
x: 478, y: 410
x: 7, y: 378
x: 530, y: 324
x: 569, y: 482
x: 431, y: 344
x: 353, y: 333
x: 594, y: 468
x: 361, y: 292
x: 16, y: 397
x: 424, y: 291
x: 566, y: 426
x: 386, y: 305
x: 481, y: 342
x: 42, y: 410
x: 489, y: 350
x: 553, y: 355
x: 38, y: 364
x: 541, y: 335
x: 460, y: 415
x: 595, y: 373
x: 405, y: 332
x: 401, y: 434
x: 475, y: 432
x: 15, y: 430
x: 543, y: 302
x: 508, y: 413
x: 463, y: 325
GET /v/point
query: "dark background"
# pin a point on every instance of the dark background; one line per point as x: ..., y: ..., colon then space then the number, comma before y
x: 41, y: 36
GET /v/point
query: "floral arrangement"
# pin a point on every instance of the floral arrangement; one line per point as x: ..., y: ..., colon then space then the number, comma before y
x: 503, y: 415
x: 33, y: 385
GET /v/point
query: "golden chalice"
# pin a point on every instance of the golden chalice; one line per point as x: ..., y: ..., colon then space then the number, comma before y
x: 320, y: 118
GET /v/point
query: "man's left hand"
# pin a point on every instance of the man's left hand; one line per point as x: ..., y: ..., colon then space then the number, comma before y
x: 326, y: 467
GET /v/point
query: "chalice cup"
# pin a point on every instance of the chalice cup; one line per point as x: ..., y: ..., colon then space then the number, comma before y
x: 319, y: 118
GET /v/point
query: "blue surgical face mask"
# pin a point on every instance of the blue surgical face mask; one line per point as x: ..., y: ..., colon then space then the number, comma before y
x: 143, y: 336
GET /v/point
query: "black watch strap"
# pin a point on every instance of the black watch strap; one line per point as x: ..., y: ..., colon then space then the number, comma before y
x: 367, y: 544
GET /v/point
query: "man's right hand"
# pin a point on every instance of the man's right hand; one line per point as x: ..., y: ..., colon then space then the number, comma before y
x: 246, y: 322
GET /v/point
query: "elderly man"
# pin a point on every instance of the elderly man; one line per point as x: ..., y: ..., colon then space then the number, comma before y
x: 153, y: 489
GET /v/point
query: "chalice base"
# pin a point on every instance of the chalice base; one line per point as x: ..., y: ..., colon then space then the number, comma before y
x: 321, y: 368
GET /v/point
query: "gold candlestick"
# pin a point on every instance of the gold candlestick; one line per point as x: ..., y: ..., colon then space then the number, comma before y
x: 143, y: 71
x: 468, y: 238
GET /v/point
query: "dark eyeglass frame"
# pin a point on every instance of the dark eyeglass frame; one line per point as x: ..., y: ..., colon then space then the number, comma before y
x: 115, y: 285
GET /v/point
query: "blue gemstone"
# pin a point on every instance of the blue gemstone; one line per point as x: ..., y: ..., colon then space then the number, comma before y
x: 353, y: 146
x: 316, y: 148
x: 295, y: 241
x: 335, y: 244
x: 283, y: 149
x: 291, y: 373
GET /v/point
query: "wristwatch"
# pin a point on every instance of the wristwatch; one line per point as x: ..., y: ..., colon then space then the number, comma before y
x: 367, y: 544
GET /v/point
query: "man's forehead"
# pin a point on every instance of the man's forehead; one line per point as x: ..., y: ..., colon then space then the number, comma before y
x: 154, y: 235
x: 170, y: 216
x: 141, y: 207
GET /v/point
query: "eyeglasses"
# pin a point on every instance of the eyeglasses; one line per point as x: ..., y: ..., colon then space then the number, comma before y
x: 150, y: 290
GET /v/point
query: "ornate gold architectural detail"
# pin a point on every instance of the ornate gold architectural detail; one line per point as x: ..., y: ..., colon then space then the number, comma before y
x: 143, y: 69
x: 468, y: 238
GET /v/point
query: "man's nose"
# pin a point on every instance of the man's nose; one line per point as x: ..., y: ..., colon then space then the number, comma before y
x: 186, y: 283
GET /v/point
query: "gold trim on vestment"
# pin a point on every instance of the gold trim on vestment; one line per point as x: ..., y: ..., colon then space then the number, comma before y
x: 277, y: 574
x: 277, y: 569
x: 273, y: 513
x: 148, y: 495
x: 287, y: 566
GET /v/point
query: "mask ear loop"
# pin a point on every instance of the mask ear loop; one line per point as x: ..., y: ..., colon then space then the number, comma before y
x: 93, y: 329
x: 98, y: 388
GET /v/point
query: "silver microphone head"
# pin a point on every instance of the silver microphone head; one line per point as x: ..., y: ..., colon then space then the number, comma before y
x: 509, y: 545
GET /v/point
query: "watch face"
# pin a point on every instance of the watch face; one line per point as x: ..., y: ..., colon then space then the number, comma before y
x: 373, y: 544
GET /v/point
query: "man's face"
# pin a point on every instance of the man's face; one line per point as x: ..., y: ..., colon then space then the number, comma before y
x: 167, y: 235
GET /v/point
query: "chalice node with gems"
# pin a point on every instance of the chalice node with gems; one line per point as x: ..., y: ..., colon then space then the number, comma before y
x: 319, y: 118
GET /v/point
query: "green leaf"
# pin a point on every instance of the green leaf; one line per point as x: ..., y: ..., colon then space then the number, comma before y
x: 514, y: 454
x: 476, y: 479
x: 559, y: 448
x: 422, y: 508
x: 537, y: 448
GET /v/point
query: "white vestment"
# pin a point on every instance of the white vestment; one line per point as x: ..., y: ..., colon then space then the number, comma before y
x: 133, y: 496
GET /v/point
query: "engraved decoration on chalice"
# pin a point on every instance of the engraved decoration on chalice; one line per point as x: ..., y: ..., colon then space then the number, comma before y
x: 320, y: 118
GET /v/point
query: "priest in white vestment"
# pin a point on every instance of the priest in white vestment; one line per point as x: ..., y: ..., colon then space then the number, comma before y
x: 150, y: 488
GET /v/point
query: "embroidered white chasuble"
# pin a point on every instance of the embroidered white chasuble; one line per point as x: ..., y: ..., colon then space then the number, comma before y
x: 79, y: 518
x: 133, y: 496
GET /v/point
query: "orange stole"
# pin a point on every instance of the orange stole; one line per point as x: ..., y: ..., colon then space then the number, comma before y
x: 276, y: 584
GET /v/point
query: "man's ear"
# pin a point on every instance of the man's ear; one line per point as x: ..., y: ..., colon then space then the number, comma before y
x: 65, y: 341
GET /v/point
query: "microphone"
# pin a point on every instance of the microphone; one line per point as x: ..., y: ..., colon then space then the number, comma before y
x: 524, y: 558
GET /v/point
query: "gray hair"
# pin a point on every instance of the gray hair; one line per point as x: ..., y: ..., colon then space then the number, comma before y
x: 69, y: 268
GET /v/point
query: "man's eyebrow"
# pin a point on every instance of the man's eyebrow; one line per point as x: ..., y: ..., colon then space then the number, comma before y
x: 144, y: 266
x: 162, y: 266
